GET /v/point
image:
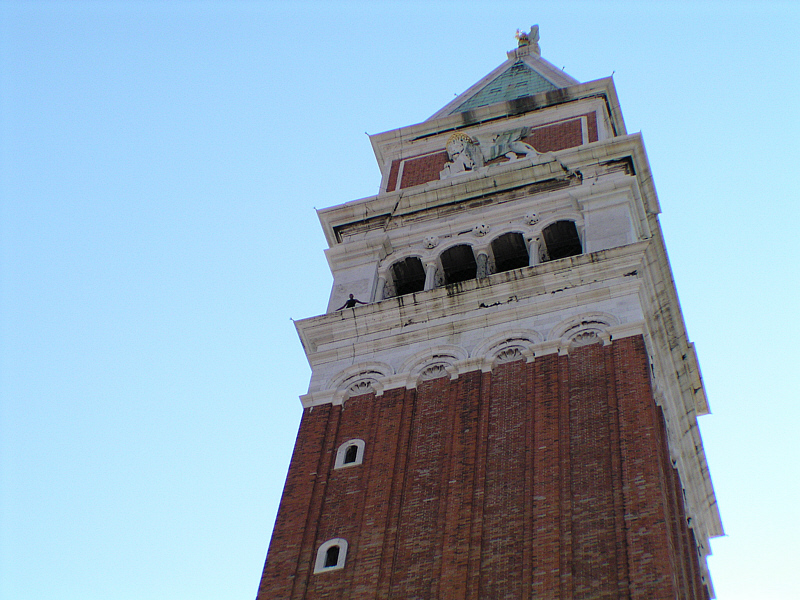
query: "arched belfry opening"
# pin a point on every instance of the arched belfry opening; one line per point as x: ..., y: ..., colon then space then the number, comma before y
x: 408, y: 275
x: 509, y: 252
x: 458, y: 264
x: 561, y: 239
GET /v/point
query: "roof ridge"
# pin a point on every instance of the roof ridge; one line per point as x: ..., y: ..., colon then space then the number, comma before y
x: 507, y: 82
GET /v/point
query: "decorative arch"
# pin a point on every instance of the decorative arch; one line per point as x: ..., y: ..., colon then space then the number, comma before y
x: 582, y: 330
x: 459, y: 241
x: 433, y: 363
x: 507, y: 346
x: 362, y: 378
x: 385, y: 271
x: 548, y: 239
x: 459, y: 263
x: 406, y: 276
x: 562, y: 215
x: 509, y: 251
x: 444, y: 246
x: 398, y: 255
x: 510, y: 228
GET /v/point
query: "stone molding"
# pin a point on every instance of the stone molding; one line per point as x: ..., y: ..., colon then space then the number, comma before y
x: 508, y: 347
x: 509, y: 176
x: 583, y: 330
x: 440, y: 361
x: 359, y: 379
x: 451, y: 361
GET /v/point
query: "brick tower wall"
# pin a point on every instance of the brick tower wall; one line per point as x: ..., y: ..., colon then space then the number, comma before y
x: 548, y: 479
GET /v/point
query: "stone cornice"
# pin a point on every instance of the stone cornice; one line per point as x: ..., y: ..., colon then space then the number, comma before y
x: 338, y: 395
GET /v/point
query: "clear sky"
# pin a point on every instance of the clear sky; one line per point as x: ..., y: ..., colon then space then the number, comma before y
x: 160, y: 163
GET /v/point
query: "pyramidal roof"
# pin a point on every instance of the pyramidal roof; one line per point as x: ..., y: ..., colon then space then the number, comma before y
x: 524, y: 73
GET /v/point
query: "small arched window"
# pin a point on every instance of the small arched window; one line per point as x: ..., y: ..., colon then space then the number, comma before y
x: 458, y: 264
x: 509, y: 252
x: 331, y: 556
x: 408, y: 275
x: 349, y: 454
x: 561, y: 240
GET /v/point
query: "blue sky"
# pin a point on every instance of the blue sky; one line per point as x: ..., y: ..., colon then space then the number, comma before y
x: 160, y: 163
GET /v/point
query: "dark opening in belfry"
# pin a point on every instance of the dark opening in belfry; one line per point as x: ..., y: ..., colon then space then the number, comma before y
x: 408, y: 275
x: 509, y: 252
x: 561, y: 240
x: 459, y: 264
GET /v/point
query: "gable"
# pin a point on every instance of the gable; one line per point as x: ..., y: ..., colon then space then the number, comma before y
x: 518, y: 81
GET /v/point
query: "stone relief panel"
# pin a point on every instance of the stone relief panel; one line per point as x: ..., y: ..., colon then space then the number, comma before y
x: 364, y: 378
x: 506, y: 144
x: 586, y: 337
x: 432, y: 364
x: 363, y: 386
x: 466, y: 154
x: 434, y: 372
x: 469, y: 152
x: 463, y: 156
x: 508, y: 355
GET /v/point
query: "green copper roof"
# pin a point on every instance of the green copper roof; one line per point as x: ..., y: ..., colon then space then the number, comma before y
x: 518, y: 81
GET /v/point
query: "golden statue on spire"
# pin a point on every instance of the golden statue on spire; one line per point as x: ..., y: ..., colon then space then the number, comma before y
x: 531, y: 39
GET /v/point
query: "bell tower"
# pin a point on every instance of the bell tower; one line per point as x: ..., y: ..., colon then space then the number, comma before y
x: 513, y: 413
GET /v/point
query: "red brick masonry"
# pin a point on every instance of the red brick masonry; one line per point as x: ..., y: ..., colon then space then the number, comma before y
x: 549, y: 479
